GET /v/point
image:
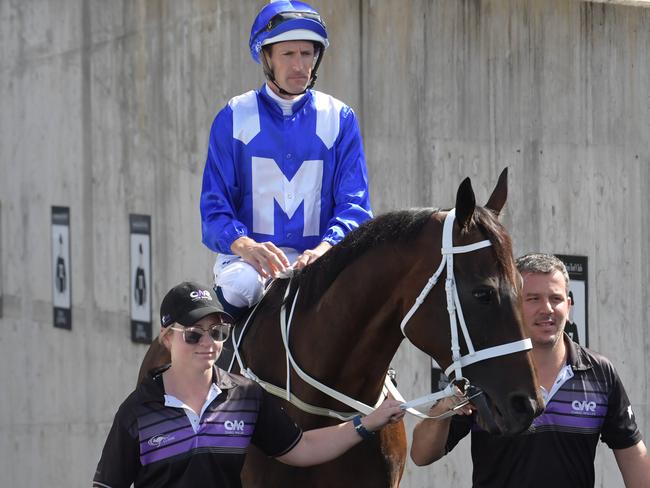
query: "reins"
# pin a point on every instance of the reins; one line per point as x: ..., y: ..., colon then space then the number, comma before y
x: 456, y: 321
x: 286, y: 393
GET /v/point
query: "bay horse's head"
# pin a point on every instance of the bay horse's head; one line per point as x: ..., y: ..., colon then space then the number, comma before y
x: 487, y: 285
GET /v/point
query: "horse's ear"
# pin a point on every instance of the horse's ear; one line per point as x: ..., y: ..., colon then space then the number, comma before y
x: 499, y: 194
x: 465, y: 203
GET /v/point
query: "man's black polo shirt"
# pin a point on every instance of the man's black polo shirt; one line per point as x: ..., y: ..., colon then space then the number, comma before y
x: 558, y: 449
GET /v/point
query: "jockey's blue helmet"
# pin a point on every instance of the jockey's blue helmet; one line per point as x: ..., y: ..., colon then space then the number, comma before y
x: 286, y: 20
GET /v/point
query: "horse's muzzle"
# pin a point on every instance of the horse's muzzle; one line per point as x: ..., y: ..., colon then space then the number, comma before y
x: 519, y: 414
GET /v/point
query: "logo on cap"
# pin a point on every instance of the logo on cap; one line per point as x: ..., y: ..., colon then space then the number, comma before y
x: 200, y: 295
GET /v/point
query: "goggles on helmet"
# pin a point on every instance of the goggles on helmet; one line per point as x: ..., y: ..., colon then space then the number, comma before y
x: 282, y: 17
x: 286, y: 20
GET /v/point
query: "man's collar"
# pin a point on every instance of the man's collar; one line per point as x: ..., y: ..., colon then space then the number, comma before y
x: 575, y: 356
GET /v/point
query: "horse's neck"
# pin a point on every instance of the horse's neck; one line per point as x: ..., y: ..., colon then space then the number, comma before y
x: 352, y: 332
x: 347, y: 337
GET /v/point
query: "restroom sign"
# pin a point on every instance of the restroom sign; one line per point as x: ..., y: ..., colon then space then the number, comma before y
x: 140, y: 278
x: 61, y: 276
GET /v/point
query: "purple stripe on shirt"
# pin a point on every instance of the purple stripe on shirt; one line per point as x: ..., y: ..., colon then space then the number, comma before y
x: 220, y: 417
x: 165, y: 426
x: 182, y: 446
x: 230, y: 442
x: 229, y: 428
x: 547, y: 418
x: 173, y: 435
x: 587, y: 408
x: 569, y: 396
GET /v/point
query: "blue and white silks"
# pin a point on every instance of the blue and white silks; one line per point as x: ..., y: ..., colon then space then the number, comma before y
x: 293, y: 180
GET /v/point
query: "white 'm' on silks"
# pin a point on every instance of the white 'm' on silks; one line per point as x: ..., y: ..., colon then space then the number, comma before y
x: 270, y: 184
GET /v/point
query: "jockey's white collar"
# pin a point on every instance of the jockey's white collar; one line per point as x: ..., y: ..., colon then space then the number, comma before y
x: 285, y: 105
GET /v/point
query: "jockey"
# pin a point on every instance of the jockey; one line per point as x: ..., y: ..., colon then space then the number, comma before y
x: 285, y: 177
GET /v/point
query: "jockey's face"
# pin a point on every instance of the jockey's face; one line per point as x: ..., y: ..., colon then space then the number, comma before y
x: 546, y: 307
x: 291, y: 62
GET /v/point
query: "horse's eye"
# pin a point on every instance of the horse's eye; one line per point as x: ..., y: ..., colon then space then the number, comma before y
x: 483, y: 295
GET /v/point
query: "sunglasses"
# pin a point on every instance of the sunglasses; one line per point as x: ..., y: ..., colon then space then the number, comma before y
x: 192, y: 335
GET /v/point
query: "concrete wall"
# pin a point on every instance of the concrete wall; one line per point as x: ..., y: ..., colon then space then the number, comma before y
x: 558, y: 91
x: 106, y: 108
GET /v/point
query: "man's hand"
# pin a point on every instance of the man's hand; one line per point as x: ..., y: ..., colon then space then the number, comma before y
x: 452, y: 404
x: 265, y: 257
x: 311, y: 255
x: 430, y: 435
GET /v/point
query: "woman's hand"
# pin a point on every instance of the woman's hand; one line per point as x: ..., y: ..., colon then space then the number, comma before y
x: 389, y: 412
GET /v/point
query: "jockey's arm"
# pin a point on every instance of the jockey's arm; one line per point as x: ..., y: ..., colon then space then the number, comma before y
x: 321, y: 445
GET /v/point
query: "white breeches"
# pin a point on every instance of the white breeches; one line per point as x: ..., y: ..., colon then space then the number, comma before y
x: 240, y: 283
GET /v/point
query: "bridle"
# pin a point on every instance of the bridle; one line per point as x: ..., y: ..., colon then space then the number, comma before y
x: 456, y: 321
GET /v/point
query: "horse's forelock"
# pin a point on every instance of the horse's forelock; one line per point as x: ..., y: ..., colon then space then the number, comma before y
x: 488, y: 222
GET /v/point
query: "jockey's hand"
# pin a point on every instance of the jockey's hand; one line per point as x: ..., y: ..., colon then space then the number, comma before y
x: 265, y: 257
x: 311, y: 255
x: 388, y: 412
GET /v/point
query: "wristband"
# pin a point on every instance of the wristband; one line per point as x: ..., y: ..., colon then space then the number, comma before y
x: 361, y: 430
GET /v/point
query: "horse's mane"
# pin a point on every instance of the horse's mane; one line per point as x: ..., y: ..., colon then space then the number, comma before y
x: 397, y: 226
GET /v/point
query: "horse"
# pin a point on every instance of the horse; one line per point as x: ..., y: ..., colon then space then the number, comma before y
x: 346, y: 329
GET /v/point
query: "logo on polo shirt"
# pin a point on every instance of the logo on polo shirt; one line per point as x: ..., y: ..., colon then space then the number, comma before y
x: 234, y: 426
x: 583, y: 406
x: 159, y: 440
